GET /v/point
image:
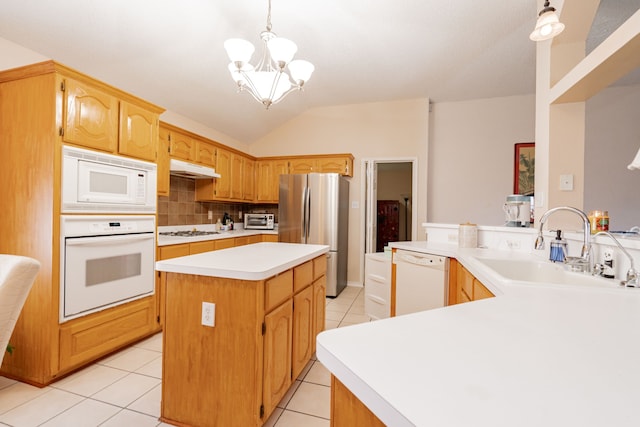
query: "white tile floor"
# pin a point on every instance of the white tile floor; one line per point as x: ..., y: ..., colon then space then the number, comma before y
x: 124, y: 389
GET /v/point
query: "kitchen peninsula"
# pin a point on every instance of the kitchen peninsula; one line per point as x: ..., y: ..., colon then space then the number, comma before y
x: 240, y: 325
x: 535, y: 355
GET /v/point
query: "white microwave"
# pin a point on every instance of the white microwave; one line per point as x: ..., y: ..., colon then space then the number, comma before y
x: 94, y: 182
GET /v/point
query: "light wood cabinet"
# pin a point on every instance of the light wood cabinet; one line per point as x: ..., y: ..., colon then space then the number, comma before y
x: 91, y: 116
x: 268, y: 179
x: 182, y: 146
x: 248, y: 180
x: 237, y: 175
x: 138, y: 135
x: 269, y: 238
x: 164, y: 146
x: 101, y: 120
x: 463, y: 286
x: 219, y: 188
x: 44, y: 106
x: 205, y: 153
x: 342, y: 164
x: 263, y: 334
x: 347, y: 410
x: 278, y: 340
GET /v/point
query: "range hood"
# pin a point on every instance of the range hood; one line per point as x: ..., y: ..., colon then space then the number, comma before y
x: 191, y: 170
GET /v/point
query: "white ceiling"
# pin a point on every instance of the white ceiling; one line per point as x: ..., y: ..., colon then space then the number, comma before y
x: 171, y: 53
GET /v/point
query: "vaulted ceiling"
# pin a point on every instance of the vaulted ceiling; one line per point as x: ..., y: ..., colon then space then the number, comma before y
x: 171, y: 53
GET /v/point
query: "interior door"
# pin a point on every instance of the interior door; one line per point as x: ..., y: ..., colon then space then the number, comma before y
x: 388, y: 223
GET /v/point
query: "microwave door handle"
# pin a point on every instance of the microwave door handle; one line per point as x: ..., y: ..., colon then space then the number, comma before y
x: 107, y: 240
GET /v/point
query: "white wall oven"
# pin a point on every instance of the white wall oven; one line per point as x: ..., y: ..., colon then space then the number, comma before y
x: 105, y: 261
x: 94, y: 182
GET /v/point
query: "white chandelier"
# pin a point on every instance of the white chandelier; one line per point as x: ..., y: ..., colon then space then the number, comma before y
x: 276, y: 75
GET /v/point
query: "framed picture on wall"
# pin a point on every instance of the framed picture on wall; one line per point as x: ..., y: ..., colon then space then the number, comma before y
x: 524, y: 167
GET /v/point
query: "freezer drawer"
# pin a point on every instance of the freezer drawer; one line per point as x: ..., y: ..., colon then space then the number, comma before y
x: 421, y: 281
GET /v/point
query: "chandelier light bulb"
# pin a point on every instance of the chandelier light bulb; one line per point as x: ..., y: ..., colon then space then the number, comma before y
x: 301, y: 71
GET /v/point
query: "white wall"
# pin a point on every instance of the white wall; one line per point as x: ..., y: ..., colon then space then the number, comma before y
x: 471, y: 151
x: 612, y: 140
x: 13, y: 55
x: 389, y: 129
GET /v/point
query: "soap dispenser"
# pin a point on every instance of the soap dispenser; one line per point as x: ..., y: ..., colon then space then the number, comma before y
x: 558, y: 248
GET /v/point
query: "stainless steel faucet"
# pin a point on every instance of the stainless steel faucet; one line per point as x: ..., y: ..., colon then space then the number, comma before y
x: 632, y: 276
x: 583, y: 262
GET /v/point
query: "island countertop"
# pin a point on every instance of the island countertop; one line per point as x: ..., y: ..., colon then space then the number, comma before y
x: 258, y: 261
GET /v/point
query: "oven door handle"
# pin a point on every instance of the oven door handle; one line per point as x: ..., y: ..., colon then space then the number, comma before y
x: 107, y: 240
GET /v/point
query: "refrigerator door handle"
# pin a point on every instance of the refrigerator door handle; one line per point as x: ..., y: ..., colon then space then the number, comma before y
x: 305, y: 214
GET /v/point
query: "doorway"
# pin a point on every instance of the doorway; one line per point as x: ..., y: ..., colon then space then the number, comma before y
x: 389, y: 212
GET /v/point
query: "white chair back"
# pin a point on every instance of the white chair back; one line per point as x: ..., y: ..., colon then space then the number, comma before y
x: 17, y: 274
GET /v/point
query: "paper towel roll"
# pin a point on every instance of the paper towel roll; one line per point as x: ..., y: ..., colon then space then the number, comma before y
x: 468, y: 235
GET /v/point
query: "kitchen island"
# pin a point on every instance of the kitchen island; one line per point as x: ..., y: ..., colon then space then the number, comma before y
x: 240, y: 325
x: 535, y: 355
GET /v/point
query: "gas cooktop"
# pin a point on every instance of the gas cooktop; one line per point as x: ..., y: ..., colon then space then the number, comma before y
x: 187, y: 233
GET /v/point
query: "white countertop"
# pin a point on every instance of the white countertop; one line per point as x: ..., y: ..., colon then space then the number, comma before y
x: 258, y: 261
x: 175, y: 240
x: 532, y: 356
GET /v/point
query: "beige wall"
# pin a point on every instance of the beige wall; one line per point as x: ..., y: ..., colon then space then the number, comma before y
x: 612, y: 139
x: 471, y: 150
x: 13, y: 55
x: 390, y: 129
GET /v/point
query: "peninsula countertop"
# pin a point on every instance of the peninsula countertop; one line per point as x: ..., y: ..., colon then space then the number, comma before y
x: 258, y: 261
x: 532, y: 356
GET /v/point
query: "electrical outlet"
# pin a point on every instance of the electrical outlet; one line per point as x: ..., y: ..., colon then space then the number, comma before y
x: 513, y: 244
x: 208, y: 314
x: 210, y: 215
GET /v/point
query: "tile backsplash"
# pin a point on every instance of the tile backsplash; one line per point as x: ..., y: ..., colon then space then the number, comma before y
x: 180, y: 207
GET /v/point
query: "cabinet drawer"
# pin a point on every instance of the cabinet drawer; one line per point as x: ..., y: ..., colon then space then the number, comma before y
x: 319, y: 266
x: 199, y: 247
x: 173, y: 251
x: 241, y: 241
x: 378, y: 265
x: 302, y: 276
x: 277, y: 289
x: 224, y: 243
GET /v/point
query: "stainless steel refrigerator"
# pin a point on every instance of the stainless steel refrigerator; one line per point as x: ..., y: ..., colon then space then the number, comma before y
x: 314, y: 208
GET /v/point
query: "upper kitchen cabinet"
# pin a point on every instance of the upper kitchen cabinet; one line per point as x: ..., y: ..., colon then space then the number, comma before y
x: 219, y: 188
x: 237, y: 175
x: 205, y: 153
x: 268, y: 173
x: 163, y: 160
x: 138, y: 132
x: 334, y: 163
x: 248, y: 179
x: 100, y: 117
x: 182, y: 146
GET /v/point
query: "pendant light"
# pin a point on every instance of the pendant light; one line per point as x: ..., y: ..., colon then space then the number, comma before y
x: 548, y: 25
x: 276, y: 75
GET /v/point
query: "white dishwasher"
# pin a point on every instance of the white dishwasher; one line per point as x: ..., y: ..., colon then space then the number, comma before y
x: 422, y: 281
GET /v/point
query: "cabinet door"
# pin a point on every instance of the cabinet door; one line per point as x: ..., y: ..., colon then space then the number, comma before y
x: 173, y: 251
x: 480, y: 291
x: 223, y: 167
x: 277, y: 355
x: 237, y: 174
x: 280, y: 167
x: 205, y: 153
x: 248, y: 180
x: 138, y: 132
x: 319, y: 304
x: 302, y: 330
x: 91, y: 117
x: 264, y: 181
x: 182, y: 146
x: 163, y: 162
x: 341, y: 165
x: 303, y: 165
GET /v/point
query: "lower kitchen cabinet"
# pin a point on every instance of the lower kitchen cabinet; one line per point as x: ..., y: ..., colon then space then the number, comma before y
x: 463, y: 286
x: 235, y: 373
x: 347, y: 410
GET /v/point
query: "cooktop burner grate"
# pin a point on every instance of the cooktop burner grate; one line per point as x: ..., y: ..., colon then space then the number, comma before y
x: 187, y: 233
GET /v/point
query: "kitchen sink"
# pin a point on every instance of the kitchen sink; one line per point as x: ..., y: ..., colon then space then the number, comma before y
x: 543, y: 272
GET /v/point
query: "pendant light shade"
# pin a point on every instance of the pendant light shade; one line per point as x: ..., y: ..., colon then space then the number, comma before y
x: 548, y: 25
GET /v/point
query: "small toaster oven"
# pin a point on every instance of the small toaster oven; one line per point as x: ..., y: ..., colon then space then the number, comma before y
x: 263, y: 221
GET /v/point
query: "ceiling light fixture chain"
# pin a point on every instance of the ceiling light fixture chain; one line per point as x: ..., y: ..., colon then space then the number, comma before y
x: 276, y: 75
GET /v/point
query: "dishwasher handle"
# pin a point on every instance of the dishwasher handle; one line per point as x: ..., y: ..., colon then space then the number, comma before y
x: 424, y: 260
